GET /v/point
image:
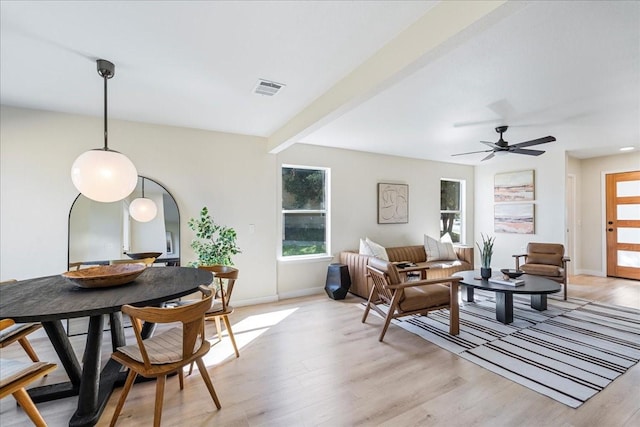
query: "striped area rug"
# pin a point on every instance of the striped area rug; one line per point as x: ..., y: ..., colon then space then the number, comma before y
x: 569, y: 352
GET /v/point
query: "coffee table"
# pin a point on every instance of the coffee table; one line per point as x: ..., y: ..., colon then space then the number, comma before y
x: 537, y: 287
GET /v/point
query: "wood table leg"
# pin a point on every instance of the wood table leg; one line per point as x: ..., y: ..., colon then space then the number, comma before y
x: 504, y: 307
x: 539, y: 302
x: 454, y: 313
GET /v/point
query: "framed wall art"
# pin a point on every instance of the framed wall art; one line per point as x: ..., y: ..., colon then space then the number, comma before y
x: 514, y: 186
x: 393, y: 203
x: 515, y: 218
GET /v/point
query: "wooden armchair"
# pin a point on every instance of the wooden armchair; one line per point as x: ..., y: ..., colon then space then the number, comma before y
x: 414, y: 297
x: 167, y: 352
x: 15, y: 375
x: 546, y: 260
x: 11, y: 332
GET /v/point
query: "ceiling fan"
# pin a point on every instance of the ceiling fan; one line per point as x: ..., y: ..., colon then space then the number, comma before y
x: 503, y: 147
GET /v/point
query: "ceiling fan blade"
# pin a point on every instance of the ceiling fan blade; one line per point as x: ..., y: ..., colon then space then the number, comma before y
x: 527, y: 152
x: 472, y: 152
x: 490, y: 156
x: 534, y: 142
x: 490, y: 144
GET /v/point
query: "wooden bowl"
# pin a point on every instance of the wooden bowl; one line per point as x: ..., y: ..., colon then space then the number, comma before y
x: 143, y: 255
x: 105, y: 276
x: 513, y: 274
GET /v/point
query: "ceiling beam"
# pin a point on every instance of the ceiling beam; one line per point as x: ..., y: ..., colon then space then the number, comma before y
x: 403, y: 55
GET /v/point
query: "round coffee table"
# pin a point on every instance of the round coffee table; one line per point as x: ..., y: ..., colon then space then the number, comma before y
x: 537, y: 287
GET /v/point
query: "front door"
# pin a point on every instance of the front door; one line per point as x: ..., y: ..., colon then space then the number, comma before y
x: 623, y: 224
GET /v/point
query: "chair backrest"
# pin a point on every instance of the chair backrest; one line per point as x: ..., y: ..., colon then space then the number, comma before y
x: 545, y: 253
x: 146, y: 261
x: 383, y: 274
x: 191, y: 316
x: 220, y: 274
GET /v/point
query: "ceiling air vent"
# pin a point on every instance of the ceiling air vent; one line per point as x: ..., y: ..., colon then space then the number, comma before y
x: 268, y: 88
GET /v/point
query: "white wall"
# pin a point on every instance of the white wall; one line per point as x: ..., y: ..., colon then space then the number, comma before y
x: 354, y: 179
x: 549, y: 210
x: 231, y: 174
x: 591, y: 220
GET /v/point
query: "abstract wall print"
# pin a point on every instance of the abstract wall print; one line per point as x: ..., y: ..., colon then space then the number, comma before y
x: 514, y: 186
x: 393, y: 203
x: 515, y: 218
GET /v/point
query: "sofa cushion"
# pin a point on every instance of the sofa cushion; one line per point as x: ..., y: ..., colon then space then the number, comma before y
x: 542, y: 270
x: 414, y: 298
x: 439, y: 251
x: 371, y: 248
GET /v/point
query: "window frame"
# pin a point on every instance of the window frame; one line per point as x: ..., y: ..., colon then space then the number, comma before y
x: 326, y: 211
x: 461, y: 211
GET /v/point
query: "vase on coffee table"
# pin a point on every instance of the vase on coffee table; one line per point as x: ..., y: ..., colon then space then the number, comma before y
x: 485, y: 273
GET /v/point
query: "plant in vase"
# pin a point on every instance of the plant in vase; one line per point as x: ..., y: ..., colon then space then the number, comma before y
x: 486, y: 251
x: 214, y: 244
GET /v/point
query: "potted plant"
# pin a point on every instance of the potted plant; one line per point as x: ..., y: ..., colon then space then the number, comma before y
x: 214, y: 244
x: 486, y: 251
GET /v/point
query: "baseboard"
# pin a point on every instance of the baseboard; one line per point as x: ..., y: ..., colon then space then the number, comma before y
x: 301, y: 293
x: 591, y: 273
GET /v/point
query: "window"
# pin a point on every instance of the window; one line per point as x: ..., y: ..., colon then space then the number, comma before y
x: 452, y: 209
x: 304, y: 211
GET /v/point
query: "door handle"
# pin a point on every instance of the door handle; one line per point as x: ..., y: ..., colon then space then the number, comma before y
x: 610, y: 229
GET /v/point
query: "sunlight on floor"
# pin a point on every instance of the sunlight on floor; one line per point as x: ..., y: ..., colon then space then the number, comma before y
x: 244, y: 332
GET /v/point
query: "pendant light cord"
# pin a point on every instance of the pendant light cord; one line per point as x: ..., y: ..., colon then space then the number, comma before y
x: 106, y: 147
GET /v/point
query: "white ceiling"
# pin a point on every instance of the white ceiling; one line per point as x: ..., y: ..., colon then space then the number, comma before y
x: 568, y: 69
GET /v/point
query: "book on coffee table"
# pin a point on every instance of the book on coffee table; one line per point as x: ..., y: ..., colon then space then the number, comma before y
x: 511, y: 282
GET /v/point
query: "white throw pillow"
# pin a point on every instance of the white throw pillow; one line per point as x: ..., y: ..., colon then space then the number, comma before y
x: 371, y: 248
x: 365, y: 249
x: 439, y: 251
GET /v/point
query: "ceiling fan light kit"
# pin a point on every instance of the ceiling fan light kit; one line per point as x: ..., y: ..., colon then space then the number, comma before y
x: 102, y: 174
x: 502, y: 147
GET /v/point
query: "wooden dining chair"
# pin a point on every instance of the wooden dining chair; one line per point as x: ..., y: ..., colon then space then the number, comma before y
x: 407, y: 298
x: 224, y: 279
x: 146, y: 261
x: 167, y: 352
x: 11, y: 332
x: 15, y: 375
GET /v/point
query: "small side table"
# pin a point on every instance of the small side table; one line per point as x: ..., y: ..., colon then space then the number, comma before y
x: 338, y: 281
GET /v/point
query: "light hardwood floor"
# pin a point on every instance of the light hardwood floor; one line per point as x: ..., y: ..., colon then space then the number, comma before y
x: 311, y: 362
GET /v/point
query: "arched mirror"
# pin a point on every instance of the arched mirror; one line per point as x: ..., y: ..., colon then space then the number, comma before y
x: 102, y: 232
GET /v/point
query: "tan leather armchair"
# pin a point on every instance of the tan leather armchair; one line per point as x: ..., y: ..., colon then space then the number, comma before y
x: 414, y: 297
x: 546, y: 260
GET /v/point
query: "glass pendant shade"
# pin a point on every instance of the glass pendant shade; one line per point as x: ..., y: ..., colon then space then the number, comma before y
x: 143, y: 209
x: 104, y: 175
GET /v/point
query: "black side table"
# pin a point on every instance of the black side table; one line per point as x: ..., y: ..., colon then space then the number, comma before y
x: 338, y: 281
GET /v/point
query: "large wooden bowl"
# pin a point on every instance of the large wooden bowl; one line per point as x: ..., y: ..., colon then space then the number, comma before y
x: 105, y: 275
x: 143, y: 255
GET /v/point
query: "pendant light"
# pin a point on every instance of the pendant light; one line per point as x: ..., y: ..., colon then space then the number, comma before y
x: 143, y: 209
x: 102, y: 174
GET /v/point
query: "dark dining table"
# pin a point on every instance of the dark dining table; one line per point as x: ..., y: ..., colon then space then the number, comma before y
x: 51, y: 299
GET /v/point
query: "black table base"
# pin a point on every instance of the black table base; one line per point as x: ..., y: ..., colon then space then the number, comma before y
x: 504, y: 303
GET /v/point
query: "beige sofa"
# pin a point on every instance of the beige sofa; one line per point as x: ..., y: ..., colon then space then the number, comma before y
x: 361, y: 284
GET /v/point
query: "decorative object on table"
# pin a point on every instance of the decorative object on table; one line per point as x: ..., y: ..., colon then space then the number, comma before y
x: 511, y: 274
x: 514, y: 186
x: 102, y: 174
x: 143, y: 209
x: 214, y: 244
x: 105, y: 275
x: 143, y: 255
x: 515, y: 218
x: 486, y: 252
x: 393, y: 203
x: 508, y: 281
